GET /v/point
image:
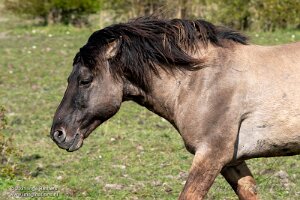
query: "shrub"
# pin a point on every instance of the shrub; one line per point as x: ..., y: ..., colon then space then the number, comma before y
x: 8, y: 152
x: 55, y: 11
x: 267, y: 15
x: 270, y: 15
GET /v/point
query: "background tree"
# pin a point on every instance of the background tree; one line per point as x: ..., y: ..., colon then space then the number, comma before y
x: 240, y: 14
x: 55, y: 11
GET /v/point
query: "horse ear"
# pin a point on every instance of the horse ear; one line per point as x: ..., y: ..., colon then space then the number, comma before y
x: 111, y: 49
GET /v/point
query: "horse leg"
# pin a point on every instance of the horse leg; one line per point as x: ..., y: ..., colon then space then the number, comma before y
x: 202, y: 175
x: 241, y: 181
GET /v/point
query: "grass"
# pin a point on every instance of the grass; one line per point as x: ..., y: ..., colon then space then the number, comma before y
x: 134, y: 155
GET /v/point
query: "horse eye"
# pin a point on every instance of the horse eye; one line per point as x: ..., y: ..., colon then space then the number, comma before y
x: 85, y: 82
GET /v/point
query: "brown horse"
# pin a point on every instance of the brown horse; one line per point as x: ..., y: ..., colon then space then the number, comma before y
x: 229, y: 100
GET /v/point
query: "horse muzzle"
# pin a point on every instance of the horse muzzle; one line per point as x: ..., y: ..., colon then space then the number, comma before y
x: 59, y: 136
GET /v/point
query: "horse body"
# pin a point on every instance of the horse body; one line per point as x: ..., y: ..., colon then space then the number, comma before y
x: 243, y: 101
x: 271, y: 127
x: 263, y: 99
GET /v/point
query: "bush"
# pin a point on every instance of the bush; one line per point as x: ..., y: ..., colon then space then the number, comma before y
x: 8, y: 152
x: 55, y: 11
x: 270, y: 15
x: 233, y: 13
x: 267, y: 15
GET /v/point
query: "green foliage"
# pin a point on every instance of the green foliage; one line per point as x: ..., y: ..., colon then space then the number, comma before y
x: 75, y: 11
x: 7, y: 150
x: 233, y: 13
x: 267, y: 15
x: 3, y: 120
x: 270, y: 15
x: 55, y: 11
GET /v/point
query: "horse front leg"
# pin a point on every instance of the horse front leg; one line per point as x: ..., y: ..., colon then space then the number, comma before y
x: 202, y: 174
x: 241, y: 180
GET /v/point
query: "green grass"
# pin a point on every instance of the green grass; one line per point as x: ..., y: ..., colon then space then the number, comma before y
x: 137, y: 150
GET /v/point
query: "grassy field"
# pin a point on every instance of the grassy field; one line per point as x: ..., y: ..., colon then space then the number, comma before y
x: 135, y: 155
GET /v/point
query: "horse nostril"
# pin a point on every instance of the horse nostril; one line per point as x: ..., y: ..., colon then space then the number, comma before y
x: 59, y: 136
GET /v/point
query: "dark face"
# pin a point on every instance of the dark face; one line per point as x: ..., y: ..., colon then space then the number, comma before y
x: 88, y: 101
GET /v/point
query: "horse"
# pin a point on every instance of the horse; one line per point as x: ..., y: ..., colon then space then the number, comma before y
x: 228, y: 99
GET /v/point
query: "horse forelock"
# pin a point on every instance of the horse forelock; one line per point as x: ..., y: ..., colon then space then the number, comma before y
x: 148, y: 42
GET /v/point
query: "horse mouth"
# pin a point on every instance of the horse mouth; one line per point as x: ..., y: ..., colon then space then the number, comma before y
x: 72, y: 143
x: 77, y: 143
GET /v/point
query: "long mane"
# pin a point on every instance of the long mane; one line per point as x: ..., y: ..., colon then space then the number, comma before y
x: 148, y: 42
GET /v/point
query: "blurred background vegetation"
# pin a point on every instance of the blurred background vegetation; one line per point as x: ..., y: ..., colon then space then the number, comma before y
x: 267, y: 15
x: 136, y: 154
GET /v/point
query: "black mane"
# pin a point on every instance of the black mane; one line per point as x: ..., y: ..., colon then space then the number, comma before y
x: 148, y: 42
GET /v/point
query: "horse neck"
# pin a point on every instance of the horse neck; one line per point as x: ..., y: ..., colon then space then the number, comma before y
x: 170, y: 89
x: 162, y: 99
